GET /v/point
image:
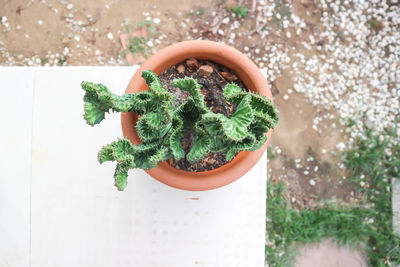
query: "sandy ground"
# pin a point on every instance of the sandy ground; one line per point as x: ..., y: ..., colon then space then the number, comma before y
x: 88, y: 29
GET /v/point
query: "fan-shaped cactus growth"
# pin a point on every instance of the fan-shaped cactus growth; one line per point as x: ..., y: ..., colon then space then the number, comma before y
x: 161, y: 126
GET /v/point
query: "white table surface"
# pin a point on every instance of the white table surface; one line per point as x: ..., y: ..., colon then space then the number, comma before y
x: 59, y: 207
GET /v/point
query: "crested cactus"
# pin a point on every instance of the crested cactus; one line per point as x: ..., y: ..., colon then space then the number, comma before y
x: 161, y: 126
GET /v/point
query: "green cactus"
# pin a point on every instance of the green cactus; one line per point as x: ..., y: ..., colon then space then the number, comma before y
x: 161, y: 126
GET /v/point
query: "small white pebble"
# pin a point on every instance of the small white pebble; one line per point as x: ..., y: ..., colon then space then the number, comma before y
x: 220, y: 32
x: 156, y: 20
x: 69, y: 6
x: 110, y: 36
x: 285, y: 97
x: 312, y: 182
x: 77, y: 38
x: 341, y: 146
x: 40, y: 22
x: 246, y: 48
x: 225, y: 20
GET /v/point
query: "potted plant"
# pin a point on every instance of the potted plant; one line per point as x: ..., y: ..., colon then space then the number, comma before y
x: 162, y: 127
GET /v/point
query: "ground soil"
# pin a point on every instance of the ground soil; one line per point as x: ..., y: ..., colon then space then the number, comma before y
x: 212, y: 89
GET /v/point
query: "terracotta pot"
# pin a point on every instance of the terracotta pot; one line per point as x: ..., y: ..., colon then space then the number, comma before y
x: 226, y: 56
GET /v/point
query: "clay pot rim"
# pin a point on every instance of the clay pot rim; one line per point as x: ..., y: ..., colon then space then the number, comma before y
x: 226, y: 56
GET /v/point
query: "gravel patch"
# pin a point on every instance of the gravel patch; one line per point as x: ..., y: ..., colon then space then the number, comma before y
x: 348, y: 64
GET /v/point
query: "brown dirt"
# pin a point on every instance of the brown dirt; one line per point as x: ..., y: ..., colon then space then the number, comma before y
x: 212, y: 89
x: 306, y: 154
x: 41, y: 30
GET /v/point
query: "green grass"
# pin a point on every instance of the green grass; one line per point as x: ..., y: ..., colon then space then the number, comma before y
x: 270, y: 154
x: 43, y: 61
x: 62, y: 61
x: 372, y: 23
x: 241, y: 11
x: 282, y: 8
x: 373, y: 160
x: 138, y: 45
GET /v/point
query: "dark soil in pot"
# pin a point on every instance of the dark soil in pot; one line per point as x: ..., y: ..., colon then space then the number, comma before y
x: 213, y: 77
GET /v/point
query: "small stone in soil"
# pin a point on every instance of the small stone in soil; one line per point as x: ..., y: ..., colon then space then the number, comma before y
x: 229, y: 76
x: 192, y: 63
x: 181, y: 68
x: 205, y: 70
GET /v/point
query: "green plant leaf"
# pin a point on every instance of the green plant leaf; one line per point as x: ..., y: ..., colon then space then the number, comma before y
x: 200, y: 146
x: 189, y: 111
x: 150, y: 78
x: 244, y: 145
x: 259, y: 143
x: 120, y: 178
x: 155, y: 120
x: 235, y: 127
x: 264, y: 107
x: 99, y: 100
x: 123, y: 103
x: 160, y: 155
x: 115, y: 151
x: 231, y: 91
x: 175, y: 140
x: 261, y: 105
x: 193, y: 87
x: 218, y: 144
x: 121, y: 151
x: 145, y: 131
x: 241, y: 11
x: 121, y: 171
x: 93, y: 113
x: 143, y: 103
x: 259, y: 127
